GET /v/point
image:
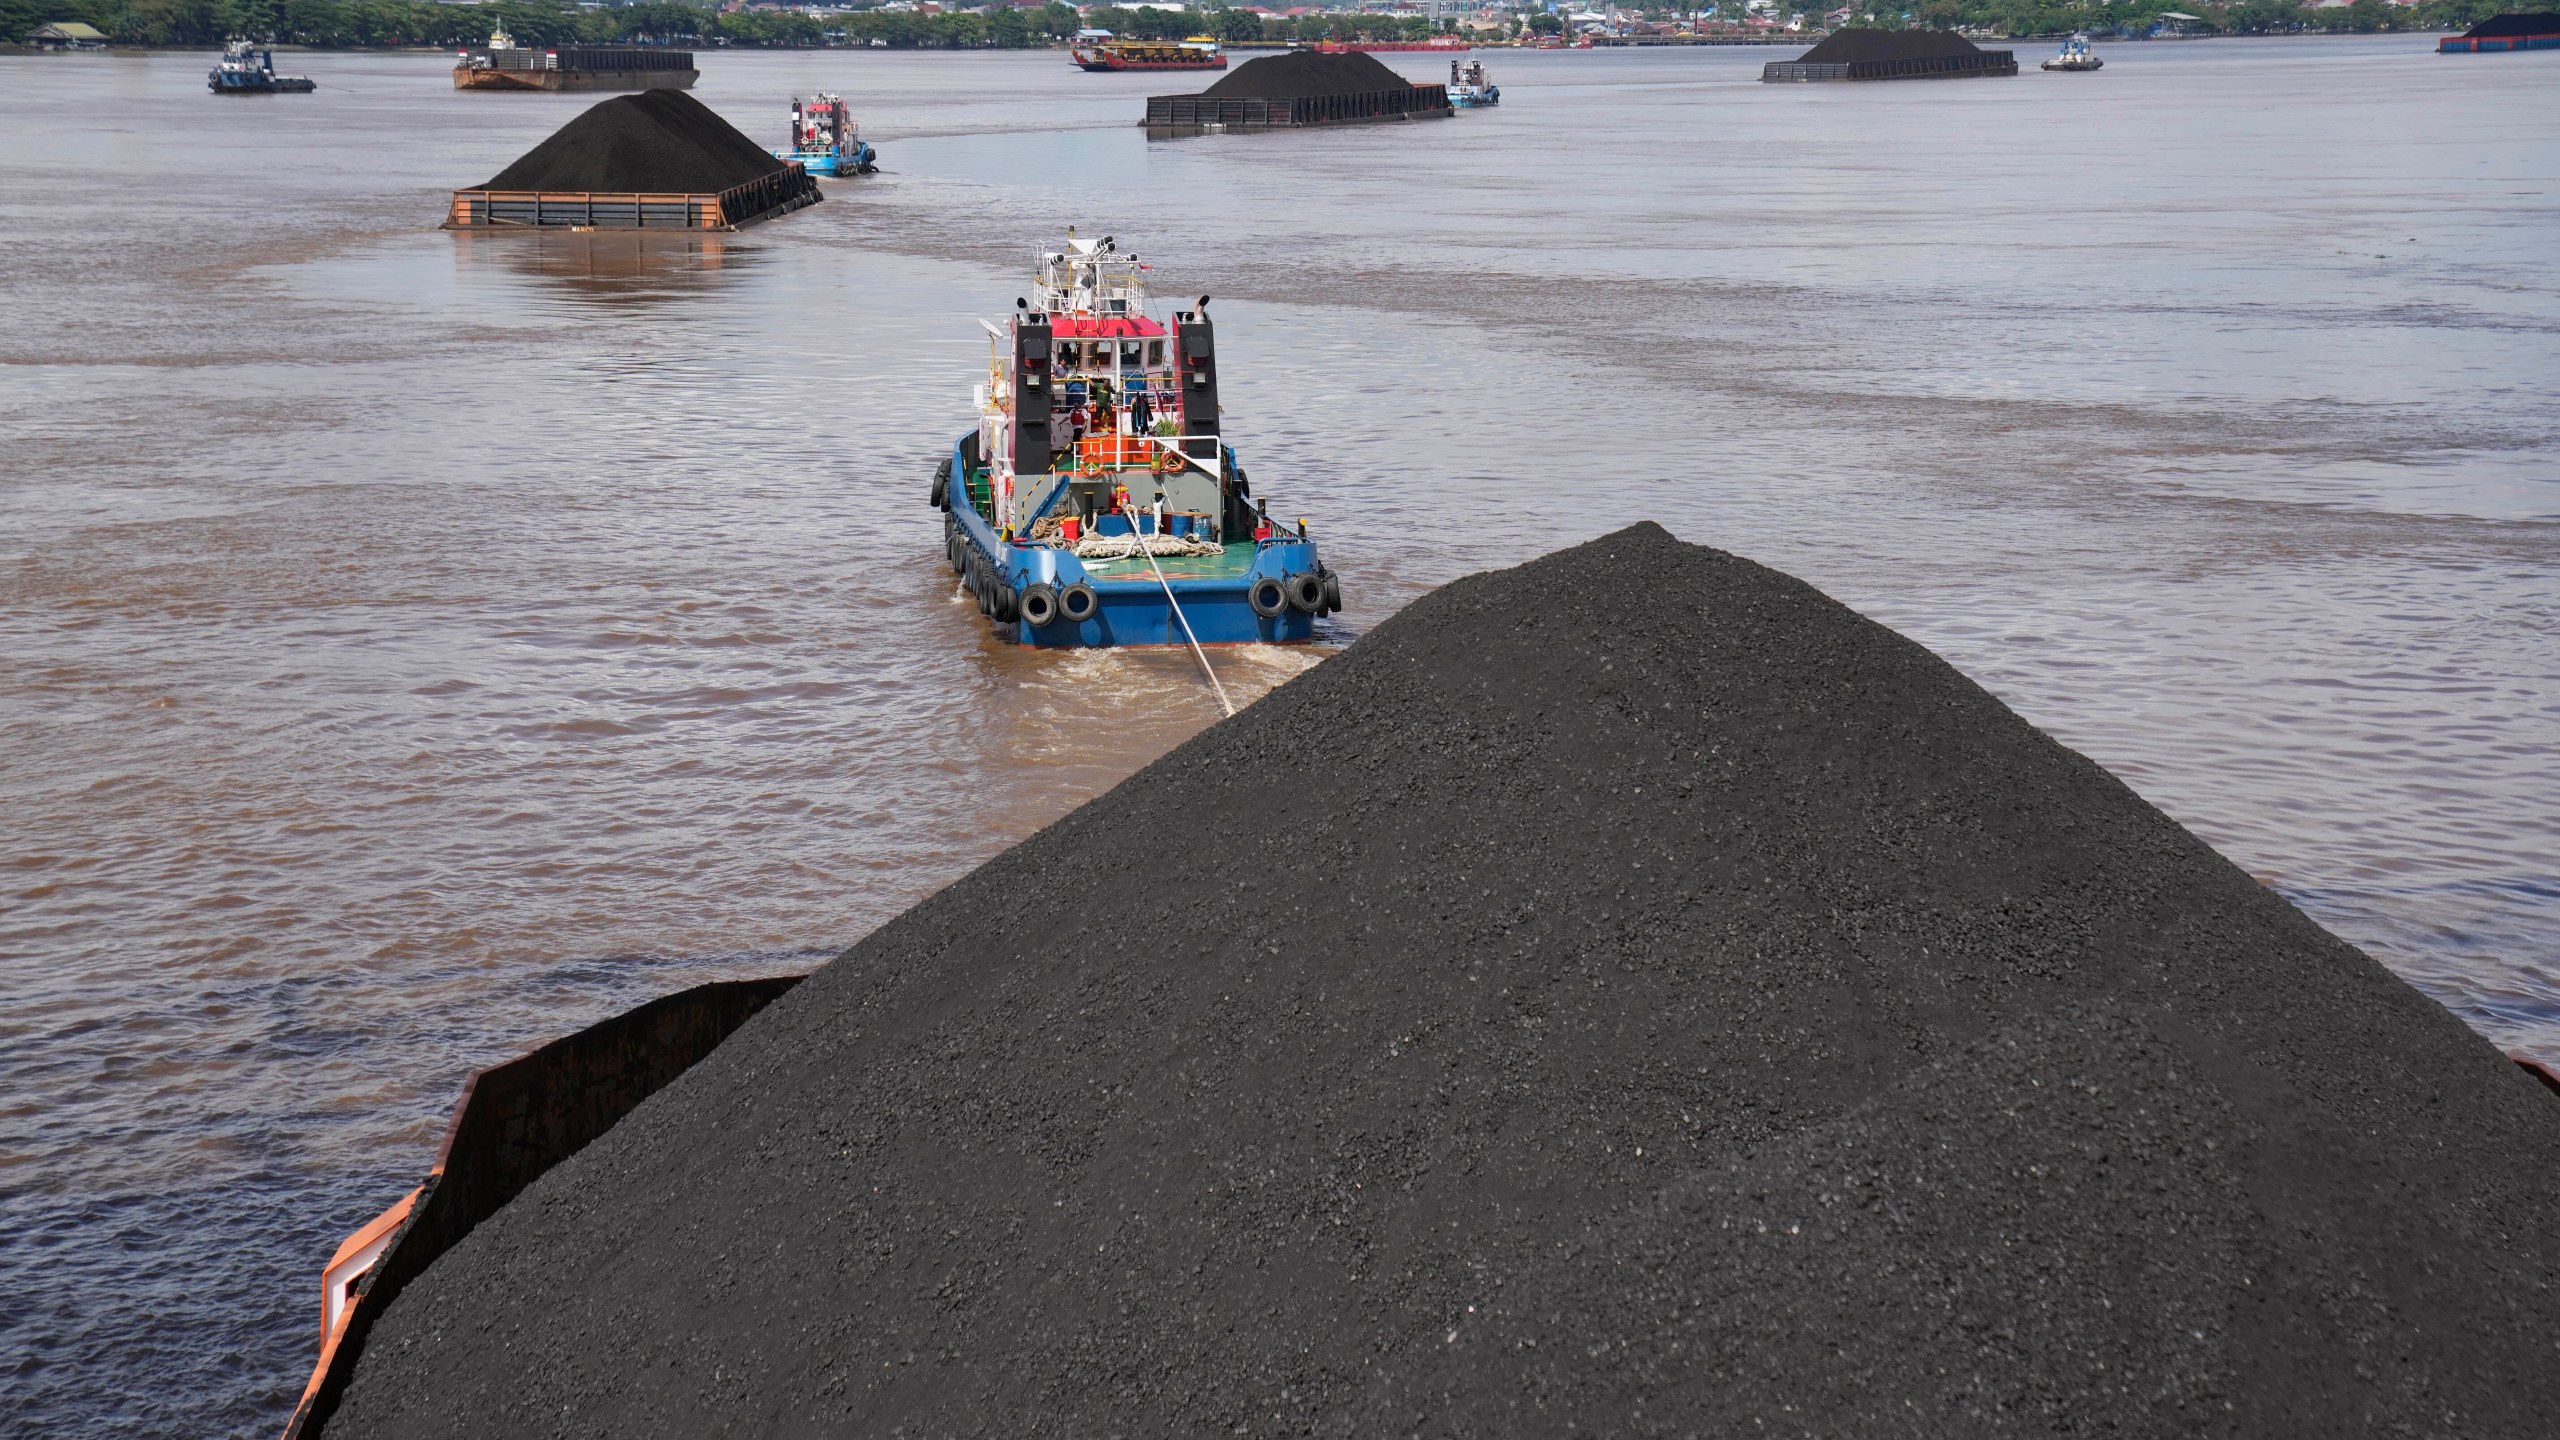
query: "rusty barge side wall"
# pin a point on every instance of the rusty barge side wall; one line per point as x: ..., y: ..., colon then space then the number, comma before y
x: 516, y: 1121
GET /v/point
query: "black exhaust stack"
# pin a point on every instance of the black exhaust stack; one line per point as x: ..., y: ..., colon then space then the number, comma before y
x: 1199, y: 354
x: 1033, y: 394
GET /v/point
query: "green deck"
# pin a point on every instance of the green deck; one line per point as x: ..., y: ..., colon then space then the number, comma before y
x: 1230, y: 567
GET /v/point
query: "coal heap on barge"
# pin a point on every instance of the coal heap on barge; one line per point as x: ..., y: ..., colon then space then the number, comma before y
x: 1634, y: 947
x: 1864, y: 54
x: 657, y: 159
x: 2500, y: 33
x: 1301, y: 87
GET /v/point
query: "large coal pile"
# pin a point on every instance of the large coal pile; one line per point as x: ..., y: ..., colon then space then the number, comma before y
x: 1628, y: 994
x: 1304, y: 74
x: 1859, y: 46
x: 657, y: 141
x: 2515, y: 27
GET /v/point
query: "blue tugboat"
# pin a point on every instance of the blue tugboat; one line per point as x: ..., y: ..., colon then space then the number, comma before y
x: 825, y: 141
x: 1468, y: 89
x: 248, y: 71
x: 1096, y: 504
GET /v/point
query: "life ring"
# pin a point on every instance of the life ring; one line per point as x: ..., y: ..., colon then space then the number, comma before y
x: 1078, y: 603
x: 1268, y: 596
x: 1039, y: 606
x: 1306, y: 591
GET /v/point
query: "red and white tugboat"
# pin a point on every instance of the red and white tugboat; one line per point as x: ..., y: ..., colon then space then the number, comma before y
x: 1096, y: 503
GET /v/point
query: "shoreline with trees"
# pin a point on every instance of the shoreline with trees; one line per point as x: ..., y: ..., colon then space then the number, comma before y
x: 423, y: 24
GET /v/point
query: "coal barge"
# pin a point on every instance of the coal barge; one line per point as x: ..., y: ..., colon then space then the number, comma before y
x: 1863, y: 54
x: 1097, y: 503
x: 1303, y: 87
x: 502, y: 65
x: 659, y: 160
x: 2501, y: 33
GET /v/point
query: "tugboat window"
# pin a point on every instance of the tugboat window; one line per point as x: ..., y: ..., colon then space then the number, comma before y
x: 1155, y: 352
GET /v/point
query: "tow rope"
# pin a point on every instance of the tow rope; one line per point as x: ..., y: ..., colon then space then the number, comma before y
x: 1149, y: 552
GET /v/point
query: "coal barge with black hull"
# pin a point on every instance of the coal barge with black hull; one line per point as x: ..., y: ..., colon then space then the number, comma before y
x: 1303, y: 87
x: 1097, y: 503
x: 501, y: 65
x: 1862, y: 54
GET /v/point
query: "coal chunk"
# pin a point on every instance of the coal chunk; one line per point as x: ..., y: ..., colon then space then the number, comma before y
x: 1859, y: 45
x: 656, y: 141
x: 1627, y: 994
x: 1303, y: 74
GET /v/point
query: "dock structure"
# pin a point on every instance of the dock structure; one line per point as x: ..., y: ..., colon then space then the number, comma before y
x: 1864, y: 54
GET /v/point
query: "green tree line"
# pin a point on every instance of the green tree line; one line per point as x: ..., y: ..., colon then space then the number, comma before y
x: 361, y: 24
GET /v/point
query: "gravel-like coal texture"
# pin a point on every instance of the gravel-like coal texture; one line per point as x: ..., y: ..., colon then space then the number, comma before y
x: 2499, y: 27
x: 1849, y: 47
x: 662, y: 141
x: 1630, y: 994
x: 1300, y: 74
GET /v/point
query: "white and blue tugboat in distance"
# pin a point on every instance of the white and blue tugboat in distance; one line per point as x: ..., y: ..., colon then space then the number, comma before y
x: 1468, y: 89
x: 2076, y: 55
x: 825, y: 140
x: 1096, y: 504
x: 248, y: 71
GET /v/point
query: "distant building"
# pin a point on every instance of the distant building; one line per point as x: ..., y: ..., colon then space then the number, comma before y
x: 67, y: 35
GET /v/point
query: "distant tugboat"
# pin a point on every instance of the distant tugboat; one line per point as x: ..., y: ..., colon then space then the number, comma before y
x: 1096, y: 504
x: 2075, y: 56
x: 825, y: 140
x: 1468, y: 89
x: 248, y: 71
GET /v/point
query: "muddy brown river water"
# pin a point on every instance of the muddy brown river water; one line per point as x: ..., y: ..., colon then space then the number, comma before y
x: 413, y: 646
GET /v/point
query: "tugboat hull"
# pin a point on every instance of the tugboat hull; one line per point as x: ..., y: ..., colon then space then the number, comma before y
x: 1216, y: 594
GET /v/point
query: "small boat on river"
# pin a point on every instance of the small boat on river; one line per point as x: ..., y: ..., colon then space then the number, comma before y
x: 2076, y: 55
x: 1468, y: 89
x: 248, y: 70
x: 1097, y: 503
x: 825, y: 140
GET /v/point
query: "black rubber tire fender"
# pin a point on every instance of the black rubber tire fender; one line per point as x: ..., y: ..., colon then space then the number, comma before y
x: 1332, y: 591
x: 1078, y: 603
x: 1268, y: 595
x: 1008, y: 603
x: 942, y: 485
x: 956, y: 551
x: 1040, y: 606
x: 1306, y: 591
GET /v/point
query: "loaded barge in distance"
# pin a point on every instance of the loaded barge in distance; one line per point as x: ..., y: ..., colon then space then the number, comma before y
x: 1096, y: 504
x: 1302, y: 87
x: 2501, y: 33
x: 502, y: 66
x: 1864, y: 54
x: 1096, y: 50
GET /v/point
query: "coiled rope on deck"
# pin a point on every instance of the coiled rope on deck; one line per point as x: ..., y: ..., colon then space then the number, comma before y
x: 1123, y: 547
